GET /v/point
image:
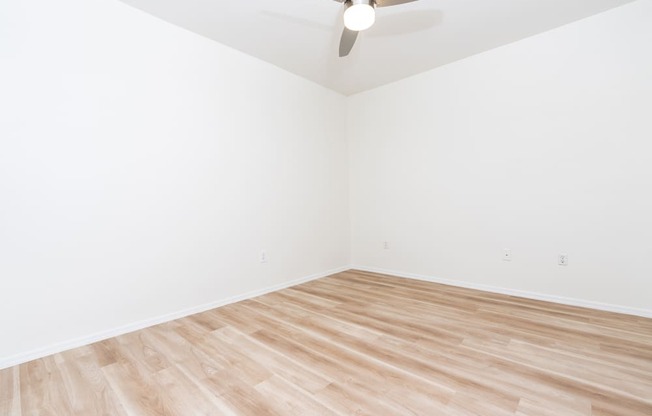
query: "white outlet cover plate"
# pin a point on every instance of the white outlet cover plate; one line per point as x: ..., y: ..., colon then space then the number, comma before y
x: 563, y: 260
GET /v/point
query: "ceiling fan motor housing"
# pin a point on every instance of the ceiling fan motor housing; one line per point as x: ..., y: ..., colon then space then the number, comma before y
x: 350, y: 3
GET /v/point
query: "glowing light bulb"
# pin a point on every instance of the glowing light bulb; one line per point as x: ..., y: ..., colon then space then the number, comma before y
x: 360, y: 15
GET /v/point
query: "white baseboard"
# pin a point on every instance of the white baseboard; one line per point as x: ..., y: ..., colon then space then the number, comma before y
x: 102, y: 335
x: 646, y: 313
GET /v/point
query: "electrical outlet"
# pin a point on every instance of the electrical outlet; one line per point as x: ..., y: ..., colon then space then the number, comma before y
x: 263, y: 256
x: 385, y: 245
x: 507, y: 255
x: 563, y: 260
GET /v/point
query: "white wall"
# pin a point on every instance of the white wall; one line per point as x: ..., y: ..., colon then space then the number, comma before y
x: 543, y: 146
x: 143, y: 168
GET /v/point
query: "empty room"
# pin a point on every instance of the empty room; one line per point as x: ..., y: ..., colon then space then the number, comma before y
x: 326, y: 207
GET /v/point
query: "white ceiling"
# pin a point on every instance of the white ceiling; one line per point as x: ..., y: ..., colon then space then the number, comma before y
x: 302, y: 36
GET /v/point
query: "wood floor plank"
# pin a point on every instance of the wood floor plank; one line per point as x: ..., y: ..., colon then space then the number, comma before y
x: 355, y: 343
x: 87, y: 388
x: 10, y: 391
x: 289, y: 399
x: 42, y: 389
x: 281, y: 365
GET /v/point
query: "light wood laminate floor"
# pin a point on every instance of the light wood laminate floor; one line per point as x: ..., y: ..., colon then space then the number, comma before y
x: 355, y: 343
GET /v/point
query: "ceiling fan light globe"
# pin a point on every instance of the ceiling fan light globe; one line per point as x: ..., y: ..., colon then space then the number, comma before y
x: 359, y: 16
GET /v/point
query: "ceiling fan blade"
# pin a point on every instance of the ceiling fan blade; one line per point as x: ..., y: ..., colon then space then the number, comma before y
x: 387, y: 3
x: 347, y: 41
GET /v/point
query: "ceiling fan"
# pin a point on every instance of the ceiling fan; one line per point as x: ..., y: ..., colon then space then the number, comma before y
x: 360, y: 15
